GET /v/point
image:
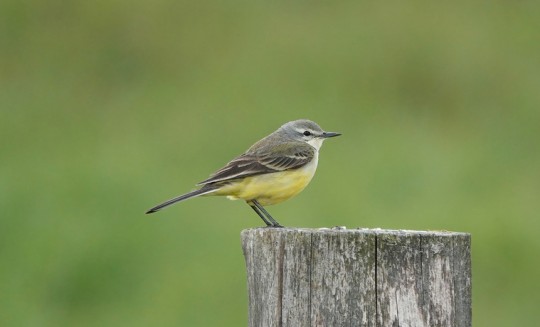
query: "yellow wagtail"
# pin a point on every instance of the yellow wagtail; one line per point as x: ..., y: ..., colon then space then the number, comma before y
x: 271, y: 171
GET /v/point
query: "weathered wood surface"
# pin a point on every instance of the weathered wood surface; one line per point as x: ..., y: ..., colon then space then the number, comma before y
x: 360, y: 277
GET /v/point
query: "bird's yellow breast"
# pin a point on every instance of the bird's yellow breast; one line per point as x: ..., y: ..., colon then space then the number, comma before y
x: 271, y: 188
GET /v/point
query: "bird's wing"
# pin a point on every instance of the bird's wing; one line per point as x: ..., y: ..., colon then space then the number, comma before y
x: 269, y: 159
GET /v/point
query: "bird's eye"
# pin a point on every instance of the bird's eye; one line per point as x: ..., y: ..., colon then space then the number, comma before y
x: 307, y: 133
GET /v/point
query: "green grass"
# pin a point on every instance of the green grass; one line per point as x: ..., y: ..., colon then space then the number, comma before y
x: 109, y: 107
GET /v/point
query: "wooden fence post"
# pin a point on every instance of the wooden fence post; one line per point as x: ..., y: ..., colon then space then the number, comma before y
x: 357, y: 277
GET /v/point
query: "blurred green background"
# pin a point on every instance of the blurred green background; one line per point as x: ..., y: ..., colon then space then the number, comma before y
x: 109, y: 107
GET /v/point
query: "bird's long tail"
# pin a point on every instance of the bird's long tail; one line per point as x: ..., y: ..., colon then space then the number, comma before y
x: 207, y: 189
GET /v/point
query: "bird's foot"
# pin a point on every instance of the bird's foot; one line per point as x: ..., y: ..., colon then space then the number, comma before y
x: 274, y: 226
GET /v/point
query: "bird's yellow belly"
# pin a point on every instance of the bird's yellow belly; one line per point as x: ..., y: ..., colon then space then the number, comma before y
x: 269, y: 189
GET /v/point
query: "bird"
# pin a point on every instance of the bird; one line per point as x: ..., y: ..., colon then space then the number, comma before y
x: 274, y: 169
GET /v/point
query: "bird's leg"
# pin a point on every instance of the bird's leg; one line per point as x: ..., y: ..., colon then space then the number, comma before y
x: 256, y: 209
x: 263, y: 211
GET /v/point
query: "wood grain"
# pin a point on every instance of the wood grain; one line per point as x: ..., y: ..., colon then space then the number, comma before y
x: 359, y: 277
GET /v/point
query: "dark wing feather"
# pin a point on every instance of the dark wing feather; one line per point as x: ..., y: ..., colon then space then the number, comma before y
x: 290, y: 155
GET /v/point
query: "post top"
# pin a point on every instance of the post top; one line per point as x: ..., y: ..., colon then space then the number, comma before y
x: 365, y: 231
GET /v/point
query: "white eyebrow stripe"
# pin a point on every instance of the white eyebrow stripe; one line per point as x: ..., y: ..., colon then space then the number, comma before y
x: 302, y: 130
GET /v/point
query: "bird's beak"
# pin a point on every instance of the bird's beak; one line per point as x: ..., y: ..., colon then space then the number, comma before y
x: 326, y: 135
